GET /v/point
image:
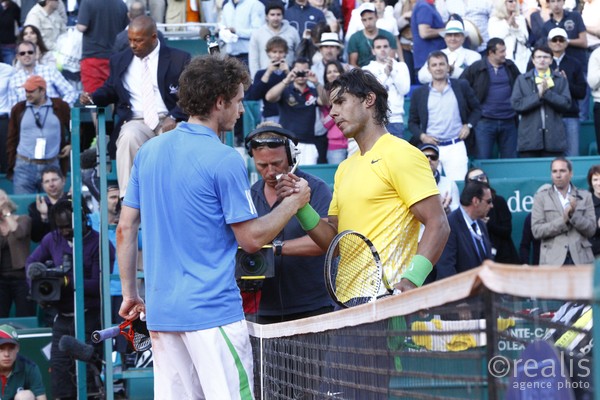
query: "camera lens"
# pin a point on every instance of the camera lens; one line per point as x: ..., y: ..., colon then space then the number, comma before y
x: 253, y: 264
x: 46, y: 288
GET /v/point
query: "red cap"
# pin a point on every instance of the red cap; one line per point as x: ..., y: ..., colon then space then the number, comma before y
x: 34, y: 82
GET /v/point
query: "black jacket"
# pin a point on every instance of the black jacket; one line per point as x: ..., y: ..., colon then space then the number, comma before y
x: 576, y: 79
x: 478, y: 77
x: 469, y: 108
x: 500, y: 229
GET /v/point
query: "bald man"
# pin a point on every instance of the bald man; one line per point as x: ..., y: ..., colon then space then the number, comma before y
x: 146, y: 107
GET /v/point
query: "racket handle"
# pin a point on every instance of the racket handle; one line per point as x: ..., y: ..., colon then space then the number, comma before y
x: 100, y: 336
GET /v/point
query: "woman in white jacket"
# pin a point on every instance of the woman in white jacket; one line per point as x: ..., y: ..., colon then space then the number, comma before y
x: 506, y: 23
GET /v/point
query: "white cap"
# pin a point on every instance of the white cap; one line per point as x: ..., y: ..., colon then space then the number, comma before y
x: 330, y: 39
x: 453, y: 26
x: 554, y: 32
x: 366, y: 7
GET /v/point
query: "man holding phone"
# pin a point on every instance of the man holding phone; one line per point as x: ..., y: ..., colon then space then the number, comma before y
x: 265, y: 79
x: 297, y: 103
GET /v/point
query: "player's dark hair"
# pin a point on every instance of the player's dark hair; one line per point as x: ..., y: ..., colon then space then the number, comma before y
x: 472, y: 189
x: 208, y: 77
x: 360, y: 83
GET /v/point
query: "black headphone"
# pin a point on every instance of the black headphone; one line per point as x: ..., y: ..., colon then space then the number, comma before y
x: 290, y: 142
x: 42, y: 3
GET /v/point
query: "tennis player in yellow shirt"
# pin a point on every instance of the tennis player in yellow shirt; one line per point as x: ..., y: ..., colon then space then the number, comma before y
x: 384, y: 191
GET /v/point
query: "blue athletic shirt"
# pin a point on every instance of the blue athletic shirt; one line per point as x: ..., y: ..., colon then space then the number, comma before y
x: 189, y: 188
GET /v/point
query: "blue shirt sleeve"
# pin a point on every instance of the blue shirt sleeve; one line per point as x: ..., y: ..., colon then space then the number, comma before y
x: 233, y: 189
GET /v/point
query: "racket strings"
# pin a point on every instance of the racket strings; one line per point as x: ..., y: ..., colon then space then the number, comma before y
x: 357, y: 274
x: 137, y: 335
x: 141, y: 342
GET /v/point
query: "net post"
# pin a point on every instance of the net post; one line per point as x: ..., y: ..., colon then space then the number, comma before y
x: 491, y: 339
x: 262, y: 365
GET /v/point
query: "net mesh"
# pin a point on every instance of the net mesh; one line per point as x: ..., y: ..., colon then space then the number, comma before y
x: 432, y: 343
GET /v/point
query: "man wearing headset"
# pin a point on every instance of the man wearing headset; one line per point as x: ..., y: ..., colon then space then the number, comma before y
x: 298, y: 288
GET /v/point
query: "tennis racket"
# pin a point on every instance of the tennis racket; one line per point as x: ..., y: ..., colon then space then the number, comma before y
x: 353, y: 270
x: 136, y: 333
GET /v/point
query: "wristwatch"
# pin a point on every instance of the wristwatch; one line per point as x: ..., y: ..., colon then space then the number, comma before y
x: 470, y: 125
x: 277, y: 246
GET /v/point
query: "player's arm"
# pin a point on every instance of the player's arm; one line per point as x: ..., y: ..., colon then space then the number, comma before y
x: 303, y: 247
x: 430, y: 213
x: 321, y: 230
x: 324, y: 232
x: 252, y: 234
x: 127, y: 249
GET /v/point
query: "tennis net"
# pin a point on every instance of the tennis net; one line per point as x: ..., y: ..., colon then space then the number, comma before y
x: 430, y: 343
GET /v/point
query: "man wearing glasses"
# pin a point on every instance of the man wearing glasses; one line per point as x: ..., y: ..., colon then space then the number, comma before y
x: 571, y: 69
x: 447, y: 187
x: 469, y: 242
x: 37, y: 136
x: 56, y: 84
x: 297, y: 290
x: 541, y: 96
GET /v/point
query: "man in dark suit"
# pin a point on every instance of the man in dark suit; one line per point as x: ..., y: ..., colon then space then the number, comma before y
x: 443, y: 113
x: 469, y: 242
x: 143, y: 83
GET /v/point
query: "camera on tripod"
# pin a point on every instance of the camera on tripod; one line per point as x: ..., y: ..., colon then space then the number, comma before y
x: 252, y: 268
x: 47, y: 279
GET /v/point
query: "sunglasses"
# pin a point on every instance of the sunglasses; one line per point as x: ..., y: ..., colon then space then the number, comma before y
x: 432, y: 157
x: 271, y: 143
x: 479, y: 178
x: 558, y: 40
x: 28, y: 52
x: 489, y: 201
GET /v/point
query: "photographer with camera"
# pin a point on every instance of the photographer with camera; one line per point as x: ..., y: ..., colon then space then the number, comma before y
x: 298, y: 289
x: 56, y: 283
x: 15, y: 233
x: 297, y: 103
x: 53, y: 184
x: 265, y: 79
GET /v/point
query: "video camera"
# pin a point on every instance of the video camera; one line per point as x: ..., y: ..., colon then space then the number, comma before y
x: 47, y: 279
x: 252, y: 269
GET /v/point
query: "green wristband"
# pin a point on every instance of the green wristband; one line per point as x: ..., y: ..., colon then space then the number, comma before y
x: 418, y: 270
x: 308, y: 217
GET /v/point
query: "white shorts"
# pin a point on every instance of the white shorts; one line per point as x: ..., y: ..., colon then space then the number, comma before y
x: 213, y: 363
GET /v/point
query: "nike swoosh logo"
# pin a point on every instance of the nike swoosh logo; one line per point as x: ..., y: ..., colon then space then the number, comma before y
x: 375, y: 161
